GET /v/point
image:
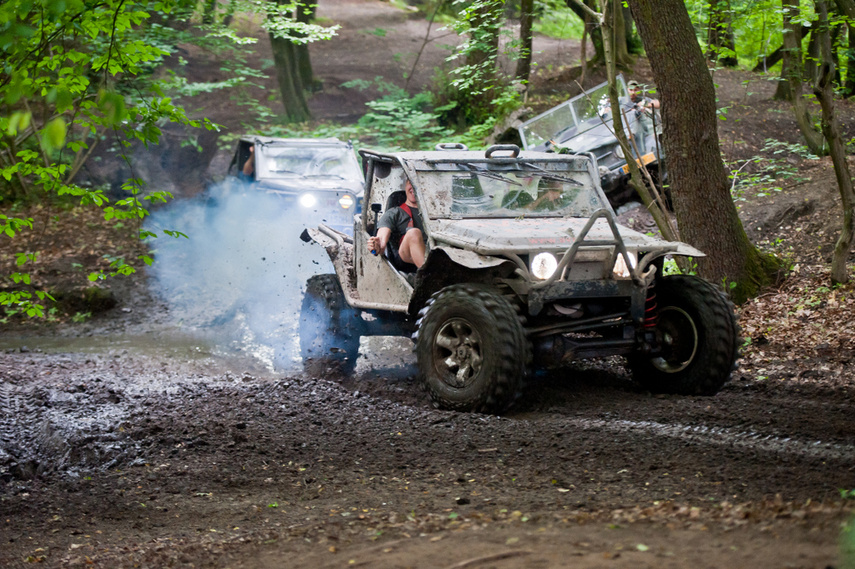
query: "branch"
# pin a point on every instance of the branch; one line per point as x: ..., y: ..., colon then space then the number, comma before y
x: 596, y: 16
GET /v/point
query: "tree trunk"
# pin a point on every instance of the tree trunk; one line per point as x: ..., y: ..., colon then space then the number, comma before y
x: 652, y: 202
x: 847, y: 8
x: 793, y: 64
x: 593, y: 29
x: 209, y: 12
x: 830, y: 129
x: 849, y: 84
x: 705, y: 211
x: 812, y: 56
x: 720, y: 34
x: 305, y: 13
x: 633, y: 42
x: 288, y: 78
x: 526, y: 18
x: 620, y: 51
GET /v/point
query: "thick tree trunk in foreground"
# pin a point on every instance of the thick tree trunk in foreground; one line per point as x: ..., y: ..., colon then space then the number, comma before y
x: 705, y: 211
x: 831, y: 131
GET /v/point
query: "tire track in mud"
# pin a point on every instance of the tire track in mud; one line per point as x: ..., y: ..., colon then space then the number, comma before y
x: 723, y: 437
x: 18, y: 443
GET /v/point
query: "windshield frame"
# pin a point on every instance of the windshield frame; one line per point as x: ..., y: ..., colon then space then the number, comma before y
x: 482, y: 188
x: 578, y: 114
x: 309, y: 159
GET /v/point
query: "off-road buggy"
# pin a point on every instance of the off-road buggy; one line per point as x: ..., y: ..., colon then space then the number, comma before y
x: 585, y: 124
x: 508, y: 287
x: 319, y: 176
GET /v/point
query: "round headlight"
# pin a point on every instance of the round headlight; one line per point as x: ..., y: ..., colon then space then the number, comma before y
x: 619, y: 151
x: 308, y: 200
x: 543, y: 265
x: 620, y: 269
x: 346, y: 201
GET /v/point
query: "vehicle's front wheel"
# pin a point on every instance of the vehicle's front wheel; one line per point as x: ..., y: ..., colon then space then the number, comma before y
x: 329, y: 328
x: 472, y: 351
x: 698, y: 339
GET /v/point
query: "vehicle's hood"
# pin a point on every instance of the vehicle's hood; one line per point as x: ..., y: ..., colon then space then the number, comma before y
x: 494, y: 236
x: 314, y: 184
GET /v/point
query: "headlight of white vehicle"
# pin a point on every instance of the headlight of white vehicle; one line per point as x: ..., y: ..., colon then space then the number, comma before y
x: 308, y: 200
x: 346, y: 201
x: 618, y: 151
x: 543, y: 265
x: 620, y: 269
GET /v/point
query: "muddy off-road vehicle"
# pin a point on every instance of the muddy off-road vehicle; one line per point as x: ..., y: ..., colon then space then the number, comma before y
x: 585, y: 124
x: 513, y: 282
x: 320, y: 177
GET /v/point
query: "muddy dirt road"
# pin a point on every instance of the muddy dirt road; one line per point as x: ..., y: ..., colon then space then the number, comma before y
x: 159, y: 449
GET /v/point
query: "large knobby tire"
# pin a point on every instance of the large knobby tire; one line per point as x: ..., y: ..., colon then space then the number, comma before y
x: 329, y: 328
x: 472, y: 351
x: 699, y: 339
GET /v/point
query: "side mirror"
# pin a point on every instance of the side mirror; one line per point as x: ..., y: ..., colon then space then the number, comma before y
x: 376, y: 207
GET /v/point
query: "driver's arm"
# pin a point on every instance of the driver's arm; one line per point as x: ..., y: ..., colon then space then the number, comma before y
x: 378, y: 242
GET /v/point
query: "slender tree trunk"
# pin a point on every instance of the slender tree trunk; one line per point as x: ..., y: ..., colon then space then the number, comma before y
x: 209, y: 12
x: 593, y: 29
x: 720, y: 34
x: 812, y: 56
x: 288, y: 78
x: 849, y: 84
x: 305, y: 13
x: 583, y: 52
x: 824, y: 91
x: 633, y: 42
x: 705, y: 211
x: 526, y: 19
x: 793, y: 64
x: 620, y: 51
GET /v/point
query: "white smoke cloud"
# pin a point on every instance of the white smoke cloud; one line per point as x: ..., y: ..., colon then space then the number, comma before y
x: 239, y: 278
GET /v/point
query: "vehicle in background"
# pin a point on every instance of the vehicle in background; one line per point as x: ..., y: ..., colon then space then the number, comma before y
x: 585, y: 124
x: 321, y: 176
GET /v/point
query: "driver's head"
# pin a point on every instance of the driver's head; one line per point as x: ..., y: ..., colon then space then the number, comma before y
x: 551, y: 188
x: 411, y: 193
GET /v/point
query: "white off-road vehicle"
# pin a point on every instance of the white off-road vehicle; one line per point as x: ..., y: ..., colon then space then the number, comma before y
x: 513, y: 281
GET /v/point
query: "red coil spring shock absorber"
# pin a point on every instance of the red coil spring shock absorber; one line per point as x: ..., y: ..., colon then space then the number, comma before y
x: 651, y: 308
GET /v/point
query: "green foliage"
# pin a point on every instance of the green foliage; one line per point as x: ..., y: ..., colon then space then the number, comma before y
x: 473, y: 92
x: 398, y: 119
x: 73, y: 71
x: 554, y: 19
x: 757, y: 27
x: 767, y: 172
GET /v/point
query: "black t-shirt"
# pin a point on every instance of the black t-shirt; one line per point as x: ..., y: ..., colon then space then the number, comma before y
x: 398, y: 221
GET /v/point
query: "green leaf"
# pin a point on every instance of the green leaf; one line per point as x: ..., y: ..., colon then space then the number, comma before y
x: 54, y: 134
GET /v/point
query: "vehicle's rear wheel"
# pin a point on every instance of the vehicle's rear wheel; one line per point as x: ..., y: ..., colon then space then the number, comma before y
x: 698, y: 338
x: 472, y: 351
x: 329, y: 328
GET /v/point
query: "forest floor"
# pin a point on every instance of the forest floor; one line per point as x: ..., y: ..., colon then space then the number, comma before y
x: 133, y: 438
